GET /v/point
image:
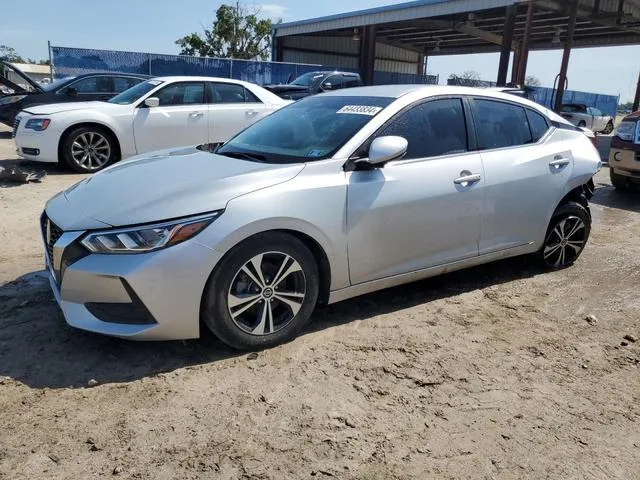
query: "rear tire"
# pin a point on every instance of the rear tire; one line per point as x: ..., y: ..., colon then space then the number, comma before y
x: 262, y: 293
x: 582, y: 123
x: 88, y: 149
x: 620, y: 182
x: 609, y: 128
x: 566, y: 236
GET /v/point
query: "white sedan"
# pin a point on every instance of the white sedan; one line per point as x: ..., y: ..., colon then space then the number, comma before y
x: 160, y: 113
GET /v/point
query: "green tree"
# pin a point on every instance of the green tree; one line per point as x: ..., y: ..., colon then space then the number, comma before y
x: 235, y: 33
x: 532, y: 81
x: 9, y: 54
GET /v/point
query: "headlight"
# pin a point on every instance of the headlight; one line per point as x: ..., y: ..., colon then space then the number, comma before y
x: 37, y: 124
x: 11, y: 99
x: 147, y: 238
x: 625, y: 130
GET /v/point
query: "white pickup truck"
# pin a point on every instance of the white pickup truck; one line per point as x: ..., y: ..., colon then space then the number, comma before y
x: 590, y: 117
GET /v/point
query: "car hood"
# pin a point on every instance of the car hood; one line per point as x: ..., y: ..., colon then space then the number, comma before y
x: 162, y: 185
x: 72, y: 106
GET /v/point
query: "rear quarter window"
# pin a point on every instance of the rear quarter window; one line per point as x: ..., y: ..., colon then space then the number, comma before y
x: 538, y: 125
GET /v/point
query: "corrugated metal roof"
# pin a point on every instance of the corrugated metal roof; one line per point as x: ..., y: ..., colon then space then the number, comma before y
x: 389, y: 13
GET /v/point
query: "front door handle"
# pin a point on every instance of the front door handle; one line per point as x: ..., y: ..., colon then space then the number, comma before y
x: 467, y: 178
x: 252, y: 113
x: 559, y: 162
x: 196, y: 114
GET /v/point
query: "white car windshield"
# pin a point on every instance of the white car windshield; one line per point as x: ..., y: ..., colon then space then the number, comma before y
x: 134, y: 93
x: 312, y: 129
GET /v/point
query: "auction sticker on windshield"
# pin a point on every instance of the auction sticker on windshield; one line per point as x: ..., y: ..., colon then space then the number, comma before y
x: 360, y: 110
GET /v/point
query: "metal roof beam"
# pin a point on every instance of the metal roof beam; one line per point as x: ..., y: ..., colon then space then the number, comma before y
x: 584, y: 12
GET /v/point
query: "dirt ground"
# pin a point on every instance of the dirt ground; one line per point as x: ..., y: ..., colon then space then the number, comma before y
x: 489, y: 373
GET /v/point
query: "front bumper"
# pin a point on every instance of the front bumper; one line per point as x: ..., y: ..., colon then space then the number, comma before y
x: 35, y: 146
x: 625, y: 162
x: 149, y: 296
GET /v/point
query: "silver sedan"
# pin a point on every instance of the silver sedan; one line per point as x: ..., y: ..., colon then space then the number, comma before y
x: 334, y: 196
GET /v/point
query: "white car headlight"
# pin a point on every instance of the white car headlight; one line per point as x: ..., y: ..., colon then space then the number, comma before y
x: 625, y: 130
x: 11, y: 99
x: 147, y: 238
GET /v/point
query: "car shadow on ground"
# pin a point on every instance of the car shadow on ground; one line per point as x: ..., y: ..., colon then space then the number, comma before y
x: 608, y: 196
x: 38, y: 349
x: 5, y: 135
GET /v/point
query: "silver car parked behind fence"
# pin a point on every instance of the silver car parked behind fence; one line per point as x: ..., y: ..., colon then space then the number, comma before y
x: 332, y: 197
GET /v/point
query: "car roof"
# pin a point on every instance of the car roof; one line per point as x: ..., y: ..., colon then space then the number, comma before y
x: 397, y: 91
x: 110, y: 74
x: 185, y: 78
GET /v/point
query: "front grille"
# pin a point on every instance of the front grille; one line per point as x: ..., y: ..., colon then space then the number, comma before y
x: 16, y: 124
x: 51, y: 233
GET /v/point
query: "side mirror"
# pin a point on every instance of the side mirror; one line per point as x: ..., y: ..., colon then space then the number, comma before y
x: 71, y: 92
x: 152, y: 102
x: 327, y: 86
x: 386, y: 149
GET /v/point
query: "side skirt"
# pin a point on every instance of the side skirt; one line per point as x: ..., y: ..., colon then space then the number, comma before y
x: 374, y: 285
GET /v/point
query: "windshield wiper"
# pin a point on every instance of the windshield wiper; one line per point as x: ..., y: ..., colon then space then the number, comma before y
x: 254, y: 157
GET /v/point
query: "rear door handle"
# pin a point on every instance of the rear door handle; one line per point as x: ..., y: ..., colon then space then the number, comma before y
x: 196, y: 114
x: 559, y: 162
x: 468, y: 179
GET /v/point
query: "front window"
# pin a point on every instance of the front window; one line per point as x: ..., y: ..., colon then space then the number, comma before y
x: 307, y: 79
x: 309, y: 130
x: 572, y: 109
x: 135, y: 93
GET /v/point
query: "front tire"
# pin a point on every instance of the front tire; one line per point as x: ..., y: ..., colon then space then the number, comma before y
x: 88, y: 149
x: 262, y: 293
x: 620, y: 182
x: 566, y: 236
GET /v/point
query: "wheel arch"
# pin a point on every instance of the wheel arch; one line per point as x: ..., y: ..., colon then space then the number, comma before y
x: 94, y: 124
x: 317, y: 250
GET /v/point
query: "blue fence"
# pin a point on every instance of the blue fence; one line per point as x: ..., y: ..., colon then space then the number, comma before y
x: 76, y: 61
x: 606, y: 103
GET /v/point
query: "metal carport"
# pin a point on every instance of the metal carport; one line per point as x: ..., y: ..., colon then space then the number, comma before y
x: 401, y: 38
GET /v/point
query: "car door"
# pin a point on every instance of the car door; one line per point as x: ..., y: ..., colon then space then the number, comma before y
x: 422, y: 210
x: 99, y: 87
x: 525, y: 173
x: 233, y: 108
x: 180, y: 119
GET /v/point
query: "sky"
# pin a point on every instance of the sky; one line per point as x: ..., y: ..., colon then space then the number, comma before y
x: 154, y: 25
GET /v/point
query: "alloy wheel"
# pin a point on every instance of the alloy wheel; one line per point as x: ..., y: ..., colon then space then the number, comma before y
x: 266, y: 293
x: 565, y: 242
x: 91, y: 150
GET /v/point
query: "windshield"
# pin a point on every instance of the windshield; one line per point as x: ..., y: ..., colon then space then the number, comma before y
x: 134, y: 93
x: 56, y: 84
x: 312, y: 129
x: 307, y: 79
